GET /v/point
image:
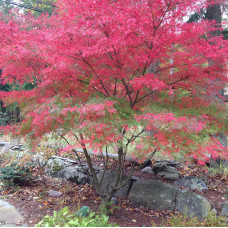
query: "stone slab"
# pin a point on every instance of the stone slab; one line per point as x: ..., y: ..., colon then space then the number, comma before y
x: 153, y: 194
x: 224, y: 210
x: 9, y: 214
x: 191, y: 183
x: 192, y: 204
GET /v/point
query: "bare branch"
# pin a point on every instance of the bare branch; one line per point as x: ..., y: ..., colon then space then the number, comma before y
x: 128, y: 92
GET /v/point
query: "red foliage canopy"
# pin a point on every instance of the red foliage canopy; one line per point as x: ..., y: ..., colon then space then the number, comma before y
x: 110, y: 71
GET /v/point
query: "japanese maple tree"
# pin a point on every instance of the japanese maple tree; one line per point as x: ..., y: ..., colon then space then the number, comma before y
x: 130, y: 75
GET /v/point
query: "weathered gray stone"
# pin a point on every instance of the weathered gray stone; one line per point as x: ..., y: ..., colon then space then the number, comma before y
x: 75, y: 174
x: 147, y: 169
x: 5, y: 149
x: 160, y: 196
x: 191, y: 183
x: 114, y: 200
x: 108, y: 180
x: 13, y: 225
x: 9, y: 214
x: 17, y: 148
x: 224, y: 210
x: 4, y: 143
x: 96, y: 168
x: 161, y: 165
x: 134, y: 178
x: 192, y: 204
x: 58, y: 164
x: 153, y: 194
x: 68, y: 169
x: 169, y: 173
x: 53, y: 193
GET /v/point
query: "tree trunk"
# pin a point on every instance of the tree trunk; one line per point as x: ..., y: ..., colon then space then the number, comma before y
x: 214, y: 14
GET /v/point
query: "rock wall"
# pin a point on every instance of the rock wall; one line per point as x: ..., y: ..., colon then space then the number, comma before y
x: 153, y: 194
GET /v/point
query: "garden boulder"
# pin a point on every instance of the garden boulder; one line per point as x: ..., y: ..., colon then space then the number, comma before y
x: 192, y: 183
x: 153, y: 194
x: 157, y: 195
x: 192, y: 204
x: 53, y: 193
x: 75, y: 174
x: 224, y: 210
x: 9, y: 214
x: 147, y: 169
x: 55, y: 166
x: 108, y: 180
x: 169, y: 173
x: 161, y: 165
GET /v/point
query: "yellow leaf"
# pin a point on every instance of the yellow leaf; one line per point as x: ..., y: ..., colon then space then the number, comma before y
x: 45, y: 203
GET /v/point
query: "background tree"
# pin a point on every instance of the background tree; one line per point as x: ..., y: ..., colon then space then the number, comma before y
x: 36, y: 7
x: 91, y: 63
x: 214, y: 13
x: 5, y: 7
x: 11, y: 114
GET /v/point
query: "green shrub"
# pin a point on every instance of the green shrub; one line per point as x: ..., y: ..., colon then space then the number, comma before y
x: 182, y: 221
x: 218, y: 169
x: 212, y: 220
x: 15, y: 174
x: 63, y: 218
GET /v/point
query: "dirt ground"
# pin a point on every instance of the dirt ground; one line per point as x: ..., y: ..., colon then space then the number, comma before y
x: 33, y: 201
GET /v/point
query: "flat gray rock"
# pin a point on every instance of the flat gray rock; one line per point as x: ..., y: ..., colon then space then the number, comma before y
x: 108, y: 180
x: 191, y: 183
x: 75, y: 174
x: 157, y: 195
x: 53, y: 193
x: 58, y: 164
x: 5, y: 148
x: 147, y: 169
x: 153, y: 194
x: 224, y: 210
x: 4, y: 143
x: 14, y: 225
x: 134, y: 178
x: 192, y: 204
x: 17, y: 148
x: 161, y: 165
x: 169, y: 173
x: 9, y: 214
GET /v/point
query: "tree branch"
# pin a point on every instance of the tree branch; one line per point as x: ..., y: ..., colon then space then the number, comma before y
x: 102, y: 84
x: 89, y: 161
x: 134, y: 170
x: 127, y: 92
